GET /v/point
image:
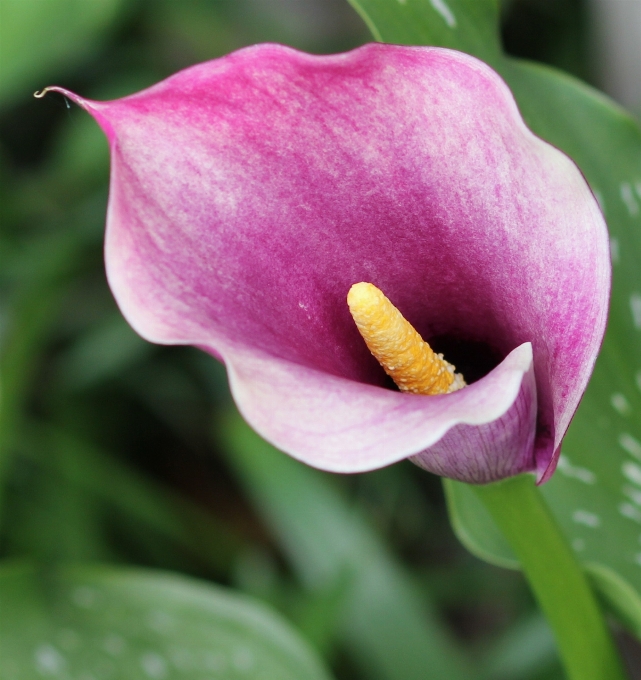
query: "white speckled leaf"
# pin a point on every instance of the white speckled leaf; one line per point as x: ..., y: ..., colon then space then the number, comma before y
x: 596, y: 492
x: 94, y: 623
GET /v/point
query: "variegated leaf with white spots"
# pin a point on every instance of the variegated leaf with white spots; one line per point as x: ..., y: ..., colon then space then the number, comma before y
x: 100, y: 623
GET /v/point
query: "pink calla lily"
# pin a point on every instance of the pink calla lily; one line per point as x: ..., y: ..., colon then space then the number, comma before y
x: 249, y: 193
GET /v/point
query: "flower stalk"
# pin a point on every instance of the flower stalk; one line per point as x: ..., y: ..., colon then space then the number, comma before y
x: 559, y: 584
x: 516, y: 505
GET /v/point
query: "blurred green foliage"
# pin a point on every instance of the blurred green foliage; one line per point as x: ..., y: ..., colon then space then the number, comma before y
x: 118, y: 451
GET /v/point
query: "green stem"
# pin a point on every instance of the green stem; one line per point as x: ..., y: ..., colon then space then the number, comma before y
x: 556, y: 578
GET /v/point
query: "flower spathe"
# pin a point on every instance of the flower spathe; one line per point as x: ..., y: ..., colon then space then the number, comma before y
x: 249, y: 193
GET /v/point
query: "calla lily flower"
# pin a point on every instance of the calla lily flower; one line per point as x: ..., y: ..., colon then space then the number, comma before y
x: 249, y: 193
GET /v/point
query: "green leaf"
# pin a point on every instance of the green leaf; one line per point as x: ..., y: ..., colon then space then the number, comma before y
x: 475, y: 527
x: 39, y: 36
x: 596, y: 493
x: 387, y: 624
x: 434, y: 22
x: 95, y: 622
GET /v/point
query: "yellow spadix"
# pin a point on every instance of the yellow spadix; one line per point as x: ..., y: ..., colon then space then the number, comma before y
x: 405, y: 356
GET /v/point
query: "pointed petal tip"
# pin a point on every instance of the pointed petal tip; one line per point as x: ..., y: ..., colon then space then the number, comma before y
x: 40, y: 94
x: 90, y: 106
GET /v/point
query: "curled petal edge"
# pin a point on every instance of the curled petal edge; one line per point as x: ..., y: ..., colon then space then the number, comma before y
x: 480, y: 434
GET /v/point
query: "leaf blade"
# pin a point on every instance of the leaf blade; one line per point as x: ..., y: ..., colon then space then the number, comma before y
x: 140, y: 624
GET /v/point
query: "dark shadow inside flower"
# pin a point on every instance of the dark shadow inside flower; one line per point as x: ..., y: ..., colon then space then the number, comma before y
x: 473, y: 359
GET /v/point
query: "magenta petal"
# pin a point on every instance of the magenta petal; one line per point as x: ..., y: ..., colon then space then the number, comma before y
x: 249, y: 193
